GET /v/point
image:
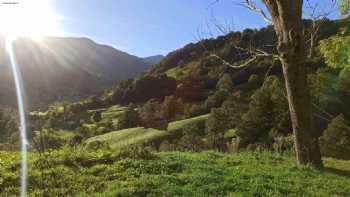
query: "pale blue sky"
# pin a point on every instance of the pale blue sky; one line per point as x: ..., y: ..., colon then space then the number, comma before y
x: 149, y: 27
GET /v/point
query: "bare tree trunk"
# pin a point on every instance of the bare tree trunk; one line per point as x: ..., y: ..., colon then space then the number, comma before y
x: 312, y: 40
x: 287, y: 20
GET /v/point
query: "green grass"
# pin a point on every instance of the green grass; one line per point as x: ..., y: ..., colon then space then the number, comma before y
x: 180, y: 124
x: 230, y: 133
x: 177, y: 72
x: 123, y: 138
x: 120, y: 139
x: 172, y: 72
x: 65, y: 134
x: 113, y: 112
x: 66, y: 173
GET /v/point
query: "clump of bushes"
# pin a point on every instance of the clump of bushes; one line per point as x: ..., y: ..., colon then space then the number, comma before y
x: 335, y: 141
x: 49, y: 139
x: 136, y: 152
x: 192, y: 138
x: 128, y: 119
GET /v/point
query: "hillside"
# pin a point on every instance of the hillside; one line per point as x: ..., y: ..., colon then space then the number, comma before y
x: 56, y: 69
x: 243, y: 103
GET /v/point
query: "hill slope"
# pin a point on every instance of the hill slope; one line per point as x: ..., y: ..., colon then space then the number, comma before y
x: 59, y: 68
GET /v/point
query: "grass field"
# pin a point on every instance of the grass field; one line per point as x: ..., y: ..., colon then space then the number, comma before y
x: 181, y: 123
x: 113, y: 112
x: 207, y: 174
x: 123, y: 138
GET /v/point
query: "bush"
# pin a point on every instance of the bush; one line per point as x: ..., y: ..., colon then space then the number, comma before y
x: 216, y: 99
x: 172, y: 108
x: 197, y: 110
x: 98, y: 145
x: 335, y: 141
x: 49, y: 139
x: 151, y: 115
x: 192, y: 139
x: 225, y: 83
x: 136, y: 152
x: 96, y: 117
x: 283, y: 144
x: 129, y: 119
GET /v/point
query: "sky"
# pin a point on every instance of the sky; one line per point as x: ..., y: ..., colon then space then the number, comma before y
x: 150, y: 27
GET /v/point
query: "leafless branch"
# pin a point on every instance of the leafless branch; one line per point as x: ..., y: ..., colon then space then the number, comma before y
x: 255, y: 54
x: 250, y: 4
x: 317, y: 14
x: 250, y: 54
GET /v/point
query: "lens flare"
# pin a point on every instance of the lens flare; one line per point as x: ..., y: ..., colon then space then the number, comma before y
x: 23, y: 125
x: 25, y: 18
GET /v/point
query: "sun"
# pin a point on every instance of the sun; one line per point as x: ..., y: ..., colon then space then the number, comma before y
x: 27, y: 18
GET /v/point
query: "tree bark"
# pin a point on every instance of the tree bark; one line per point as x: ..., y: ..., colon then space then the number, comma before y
x: 287, y: 20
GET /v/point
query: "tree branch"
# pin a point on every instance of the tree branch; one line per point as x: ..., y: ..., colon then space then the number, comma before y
x: 249, y: 4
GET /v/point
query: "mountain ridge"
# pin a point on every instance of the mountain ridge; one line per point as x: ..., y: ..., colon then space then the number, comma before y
x: 60, y: 68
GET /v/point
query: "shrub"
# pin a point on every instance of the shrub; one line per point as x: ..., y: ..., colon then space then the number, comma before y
x: 216, y: 99
x: 253, y: 78
x: 198, y: 109
x: 98, y: 145
x: 335, y: 141
x: 49, y: 139
x: 96, y: 117
x: 130, y: 118
x: 151, y: 115
x: 136, y: 152
x: 192, y: 137
x: 225, y: 83
x: 172, y: 108
x: 283, y: 144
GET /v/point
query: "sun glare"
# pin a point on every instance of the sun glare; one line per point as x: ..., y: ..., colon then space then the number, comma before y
x: 27, y: 18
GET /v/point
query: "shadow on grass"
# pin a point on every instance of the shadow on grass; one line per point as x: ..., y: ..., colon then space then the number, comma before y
x: 338, y: 172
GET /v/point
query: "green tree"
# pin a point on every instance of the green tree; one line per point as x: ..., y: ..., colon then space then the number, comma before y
x: 216, y: 127
x: 225, y: 83
x: 344, y: 6
x: 192, y: 138
x: 322, y: 86
x: 335, y: 141
x: 222, y: 119
x: 286, y: 17
x: 267, y: 116
x: 336, y: 49
x: 172, y: 107
x: 128, y: 119
x: 216, y: 99
x: 151, y: 115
